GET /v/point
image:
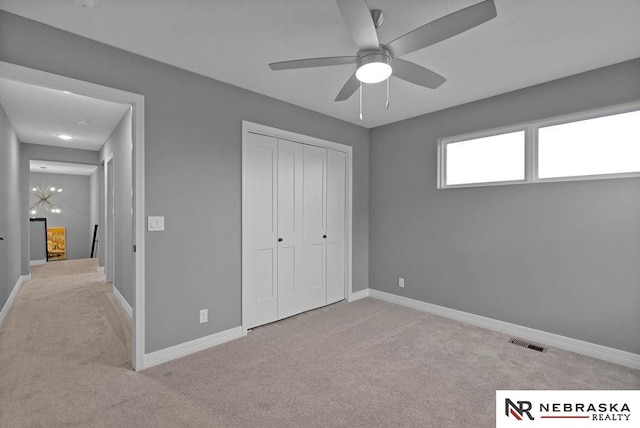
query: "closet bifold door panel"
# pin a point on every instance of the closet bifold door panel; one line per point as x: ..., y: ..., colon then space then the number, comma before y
x: 314, y: 285
x: 290, y: 227
x: 294, y: 228
x: 261, y: 227
x: 336, y: 225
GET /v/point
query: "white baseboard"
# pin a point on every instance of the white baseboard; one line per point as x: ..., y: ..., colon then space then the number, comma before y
x: 12, y: 296
x: 612, y: 355
x: 37, y: 262
x: 191, y: 347
x: 101, y: 269
x: 126, y: 306
x: 357, y: 295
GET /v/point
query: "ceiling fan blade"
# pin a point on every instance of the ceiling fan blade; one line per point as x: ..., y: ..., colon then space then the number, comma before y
x: 416, y: 74
x: 313, y: 62
x: 349, y: 88
x: 358, y: 19
x: 443, y: 28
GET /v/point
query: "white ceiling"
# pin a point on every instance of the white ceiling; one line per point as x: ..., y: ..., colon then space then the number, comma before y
x: 39, y: 115
x: 61, y: 167
x: 530, y: 42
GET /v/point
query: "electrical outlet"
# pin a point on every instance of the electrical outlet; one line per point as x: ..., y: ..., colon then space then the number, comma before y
x: 401, y: 282
x: 204, y: 315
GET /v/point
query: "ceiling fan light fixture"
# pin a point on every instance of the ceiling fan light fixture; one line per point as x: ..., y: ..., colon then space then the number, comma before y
x: 373, y: 72
x: 374, y: 67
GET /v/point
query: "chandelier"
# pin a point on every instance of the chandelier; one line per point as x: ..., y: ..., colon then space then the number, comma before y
x: 44, y: 194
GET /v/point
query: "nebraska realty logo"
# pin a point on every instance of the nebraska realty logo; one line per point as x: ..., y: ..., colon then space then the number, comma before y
x: 567, y: 408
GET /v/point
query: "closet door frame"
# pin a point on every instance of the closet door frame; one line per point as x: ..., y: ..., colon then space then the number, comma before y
x: 256, y: 128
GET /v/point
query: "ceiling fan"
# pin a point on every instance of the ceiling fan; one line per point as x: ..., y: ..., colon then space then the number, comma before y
x: 377, y: 62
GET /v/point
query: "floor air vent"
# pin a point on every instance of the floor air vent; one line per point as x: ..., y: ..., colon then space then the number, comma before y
x: 527, y: 345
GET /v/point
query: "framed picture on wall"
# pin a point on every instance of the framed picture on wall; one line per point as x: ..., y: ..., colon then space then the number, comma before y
x: 56, y: 243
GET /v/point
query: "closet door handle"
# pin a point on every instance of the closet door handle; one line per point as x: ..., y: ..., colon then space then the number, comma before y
x: 279, y: 239
x: 324, y: 236
x: 1, y: 239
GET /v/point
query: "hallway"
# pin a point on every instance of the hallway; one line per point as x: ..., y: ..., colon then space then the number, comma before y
x: 65, y: 359
x: 64, y: 332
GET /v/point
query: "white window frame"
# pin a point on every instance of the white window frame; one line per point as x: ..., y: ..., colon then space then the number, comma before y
x: 531, y: 147
x: 442, y: 156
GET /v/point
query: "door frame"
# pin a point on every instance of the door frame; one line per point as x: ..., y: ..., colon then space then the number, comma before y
x: 46, y: 250
x: 109, y: 219
x: 136, y: 101
x: 256, y: 128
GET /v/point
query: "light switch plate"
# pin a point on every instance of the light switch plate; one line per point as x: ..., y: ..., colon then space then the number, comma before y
x: 155, y: 223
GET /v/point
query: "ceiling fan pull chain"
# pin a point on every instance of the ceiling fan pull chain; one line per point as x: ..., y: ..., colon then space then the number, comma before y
x: 360, y: 100
x: 387, y: 93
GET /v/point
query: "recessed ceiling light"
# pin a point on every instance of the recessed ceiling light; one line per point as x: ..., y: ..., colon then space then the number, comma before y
x: 83, y: 122
x: 65, y: 137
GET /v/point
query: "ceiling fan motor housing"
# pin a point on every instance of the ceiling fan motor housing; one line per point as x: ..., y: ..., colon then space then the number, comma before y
x: 368, y: 56
x: 374, y: 65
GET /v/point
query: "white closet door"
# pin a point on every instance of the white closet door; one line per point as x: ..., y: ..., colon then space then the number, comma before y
x: 314, y: 285
x: 290, y: 227
x: 336, y: 220
x: 261, y: 223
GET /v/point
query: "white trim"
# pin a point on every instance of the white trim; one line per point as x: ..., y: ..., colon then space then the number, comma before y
x: 243, y: 269
x: 12, y: 296
x: 125, y: 305
x: 256, y: 128
x: 191, y: 347
x: 55, y: 81
x: 282, y: 134
x: 357, y: 295
x: 37, y: 262
x: 109, y: 253
x: 531, y: 147
x: 442, y: 155
x: 612, y: 355
x: 137, y: 117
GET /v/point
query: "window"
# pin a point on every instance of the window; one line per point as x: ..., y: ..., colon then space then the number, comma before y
x: 603, y: 145
x: 597, y: 144
x: 484, y: 160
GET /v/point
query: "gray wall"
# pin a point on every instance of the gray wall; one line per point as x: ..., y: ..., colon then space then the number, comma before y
x: 30, y: 152
x: 193, y: 172
x: 73, y: 201
x: 558, y: 257
x: 120, y: 144
x: 10, y: 213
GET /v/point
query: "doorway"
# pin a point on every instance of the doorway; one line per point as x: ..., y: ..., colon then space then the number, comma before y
x: 38, y: 241
x: 61, y: 83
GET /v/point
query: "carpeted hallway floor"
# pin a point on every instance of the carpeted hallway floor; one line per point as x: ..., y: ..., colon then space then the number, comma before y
x: 65, y: 361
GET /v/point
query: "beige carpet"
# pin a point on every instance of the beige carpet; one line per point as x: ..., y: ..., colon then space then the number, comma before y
x: 65, y: 349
